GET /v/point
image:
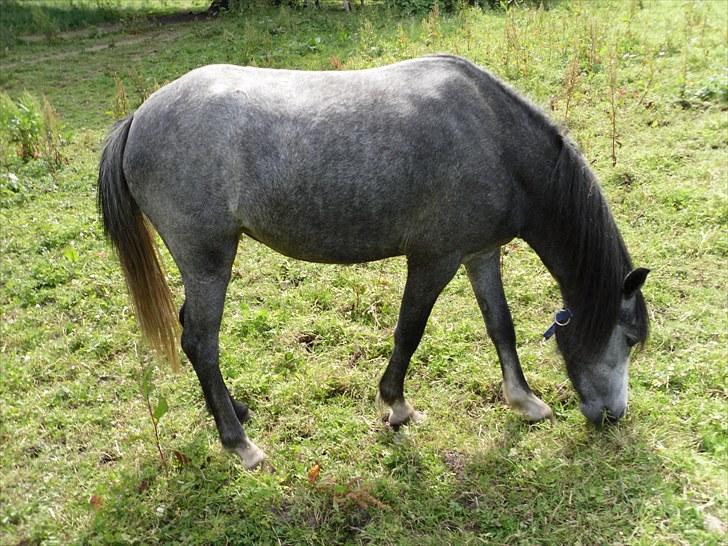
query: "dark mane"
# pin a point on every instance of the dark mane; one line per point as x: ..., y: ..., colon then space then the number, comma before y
x: 596, y: 258
x: 577, y: 219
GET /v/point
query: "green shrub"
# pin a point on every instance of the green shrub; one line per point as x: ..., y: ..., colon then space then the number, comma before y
x: 32, y: 128
x: 412, y: 7
x: 22, y: 124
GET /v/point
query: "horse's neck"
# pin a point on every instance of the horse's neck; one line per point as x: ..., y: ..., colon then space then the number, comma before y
x: 560, y: 261
x: 557, y: 235
x: 574, y: 234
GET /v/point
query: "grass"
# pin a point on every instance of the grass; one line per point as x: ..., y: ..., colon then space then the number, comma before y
x: 49, y: 18
x: 305, y: 344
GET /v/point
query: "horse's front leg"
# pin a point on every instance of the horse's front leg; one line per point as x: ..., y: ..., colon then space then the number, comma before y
x: 485, y: 277
x: 426, y: 277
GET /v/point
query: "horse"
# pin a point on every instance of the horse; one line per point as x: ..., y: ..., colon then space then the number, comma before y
x: 434, y: 159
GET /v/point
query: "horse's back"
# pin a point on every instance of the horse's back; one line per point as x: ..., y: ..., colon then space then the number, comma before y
x: 326, y: 166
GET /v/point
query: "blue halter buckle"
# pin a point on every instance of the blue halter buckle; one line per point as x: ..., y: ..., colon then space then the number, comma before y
x: 561, y: 318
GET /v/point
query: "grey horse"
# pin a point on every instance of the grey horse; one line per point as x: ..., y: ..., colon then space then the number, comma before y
x: 432, y: 158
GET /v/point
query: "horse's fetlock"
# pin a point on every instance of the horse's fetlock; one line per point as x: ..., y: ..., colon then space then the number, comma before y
x: 401, y: 413
x: 231, y: 441
x: 389, y: 394
x: 242, y: 412
x: 526, y: 403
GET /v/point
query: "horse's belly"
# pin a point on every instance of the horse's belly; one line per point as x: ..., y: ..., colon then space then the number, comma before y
x: 333, y: 218
x: 330, y: 255
x: 334, y: 243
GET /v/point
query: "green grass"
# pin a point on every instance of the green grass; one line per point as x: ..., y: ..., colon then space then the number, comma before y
x: 305, y: 344
x: 50, y: 18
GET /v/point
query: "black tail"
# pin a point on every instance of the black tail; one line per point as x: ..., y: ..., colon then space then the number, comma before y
x: 129, y: 232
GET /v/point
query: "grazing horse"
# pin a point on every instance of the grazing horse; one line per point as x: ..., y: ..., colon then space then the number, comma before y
x: 433, y: 158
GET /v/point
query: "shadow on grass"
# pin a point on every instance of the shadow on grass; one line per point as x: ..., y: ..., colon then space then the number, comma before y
x: 593, y: 488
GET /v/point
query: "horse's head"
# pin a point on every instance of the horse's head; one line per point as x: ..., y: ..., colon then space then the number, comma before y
x: 601, y: 379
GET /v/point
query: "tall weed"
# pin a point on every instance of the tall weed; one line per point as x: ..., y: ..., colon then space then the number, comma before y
x: 613, y: 91
x: 571, y: 79
x: 156, y: 410
x: 52, y: 137
x: 120, y: 104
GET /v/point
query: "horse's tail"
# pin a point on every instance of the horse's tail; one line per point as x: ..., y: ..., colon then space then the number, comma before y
x: 130, y: 234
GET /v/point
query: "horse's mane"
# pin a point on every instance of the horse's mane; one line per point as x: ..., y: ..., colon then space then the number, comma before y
x: 579, y: 221
x: 596, y: 257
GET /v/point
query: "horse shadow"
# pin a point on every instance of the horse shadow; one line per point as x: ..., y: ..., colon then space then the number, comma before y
x: 512, y: 490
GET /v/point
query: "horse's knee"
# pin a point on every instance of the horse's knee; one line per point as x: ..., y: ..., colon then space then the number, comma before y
x: 501, y: 332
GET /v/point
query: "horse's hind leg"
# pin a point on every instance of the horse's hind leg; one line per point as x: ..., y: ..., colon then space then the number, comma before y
x: 485, y: 277
x: 206, y: 273
x: 241, y: 410
x: 425, y: 280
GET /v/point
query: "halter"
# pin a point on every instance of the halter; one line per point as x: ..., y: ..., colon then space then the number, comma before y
x: 562, y: 317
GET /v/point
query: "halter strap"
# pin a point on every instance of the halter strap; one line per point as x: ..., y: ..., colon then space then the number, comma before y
x: 562, y: 317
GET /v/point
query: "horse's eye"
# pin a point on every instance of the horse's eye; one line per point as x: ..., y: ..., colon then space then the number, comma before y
x: 631, y: 340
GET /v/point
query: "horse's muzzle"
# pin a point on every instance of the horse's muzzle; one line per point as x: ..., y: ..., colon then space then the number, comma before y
x: 600, y: 415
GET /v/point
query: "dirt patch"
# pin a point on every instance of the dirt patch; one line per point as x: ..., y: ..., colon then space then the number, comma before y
x: 456, y: 462
x: 110, y: 28
x: 99, y: 31
x: 158, y: 37
x: 308, y: 340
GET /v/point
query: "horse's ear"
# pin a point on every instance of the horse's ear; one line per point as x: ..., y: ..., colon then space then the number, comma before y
x: 634, y: 280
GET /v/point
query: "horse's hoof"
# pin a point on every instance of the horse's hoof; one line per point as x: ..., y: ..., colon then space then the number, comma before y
x: 251, y: 455
x: 540, y: 413
x: 532, y: 409
x: 530, y: 406
x: 402, y: 413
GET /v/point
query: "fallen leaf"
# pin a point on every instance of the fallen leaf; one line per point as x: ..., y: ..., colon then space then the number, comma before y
x: 96, y: 502
x: 313, y: 474
x: 182, y: 459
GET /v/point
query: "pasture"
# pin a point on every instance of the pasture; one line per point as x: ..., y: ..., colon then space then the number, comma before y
x: 102, y: 444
